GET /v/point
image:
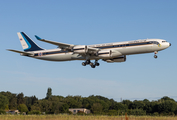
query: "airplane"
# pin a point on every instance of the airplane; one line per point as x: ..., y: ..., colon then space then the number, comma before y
x: 108, y: 52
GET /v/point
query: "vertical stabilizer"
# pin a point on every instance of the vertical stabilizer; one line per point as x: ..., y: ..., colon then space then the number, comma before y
x: 27, y: 43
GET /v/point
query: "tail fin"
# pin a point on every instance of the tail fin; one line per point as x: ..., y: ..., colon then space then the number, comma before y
x: 27, y: 43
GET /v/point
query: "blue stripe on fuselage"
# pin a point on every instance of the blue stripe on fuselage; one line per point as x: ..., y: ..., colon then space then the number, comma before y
x: 102, y: 47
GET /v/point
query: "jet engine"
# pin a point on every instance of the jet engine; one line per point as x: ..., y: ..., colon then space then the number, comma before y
x: 82, y: 49
x: 117, y: 59
x: 108, y: 53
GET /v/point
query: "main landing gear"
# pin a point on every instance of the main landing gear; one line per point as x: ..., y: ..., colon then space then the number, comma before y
x: 88, y: 62
x: 155, y: 56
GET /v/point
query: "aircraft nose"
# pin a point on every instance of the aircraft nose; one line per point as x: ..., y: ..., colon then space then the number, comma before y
x: 169, y: 44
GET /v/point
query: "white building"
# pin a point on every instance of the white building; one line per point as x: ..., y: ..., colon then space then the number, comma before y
x: 76, y: 110
x: 13, y: 112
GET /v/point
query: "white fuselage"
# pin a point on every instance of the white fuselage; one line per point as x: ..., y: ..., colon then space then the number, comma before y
x: 123, y: 48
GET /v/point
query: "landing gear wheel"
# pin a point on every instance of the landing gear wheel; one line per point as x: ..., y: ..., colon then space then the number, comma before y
x: 97, y: 64
x: 88, y: 62
x: 93, y: 66
x: 83, y: 63
x: 155, y: 56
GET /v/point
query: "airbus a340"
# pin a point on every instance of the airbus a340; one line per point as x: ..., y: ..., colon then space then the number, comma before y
x: 109, y: 52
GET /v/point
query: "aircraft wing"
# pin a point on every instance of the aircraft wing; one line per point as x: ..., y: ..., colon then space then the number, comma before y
x: 21, y: 52
x: 67, y: 46
x: 61, y: 45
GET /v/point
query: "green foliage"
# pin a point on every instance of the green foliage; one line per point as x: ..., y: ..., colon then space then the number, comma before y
x: 64, y: 108
x: 20, y: 99
x: 136, y: 112
x: 127, y: 102
x: 74, y: 101
x: 120, y: 106
x: 112, y: 112
x: 166, y: 98
x: 45, y: 105
x: 35, y: 107
x: 22, y: 108
x: 7, y: 94
x: 137, y: 105
x: 3, y: 102
x: 34, y: 112
x: 97, y: 104
x: 49, y: 93
x: 97, y: 108
x: 13, y: 102
x: 2, y: 111
x: 156, y: 114
x: 167, y: 106
x: 30, y: 101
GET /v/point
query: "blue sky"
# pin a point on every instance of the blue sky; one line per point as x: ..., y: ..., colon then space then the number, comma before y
x: 85, y: 23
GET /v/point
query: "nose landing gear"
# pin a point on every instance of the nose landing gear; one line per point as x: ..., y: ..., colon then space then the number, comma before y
x: 155, y: 56
x: 93, y: 65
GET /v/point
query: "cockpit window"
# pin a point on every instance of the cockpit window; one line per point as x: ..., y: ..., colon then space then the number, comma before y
x: 164, y: 41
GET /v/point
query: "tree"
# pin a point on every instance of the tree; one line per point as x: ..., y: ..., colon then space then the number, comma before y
x: 167, y: 106
x: 7, y: 94
x: 30, y: 101
x: 166, y: 98
x: 127, y: 102
x: 137, y: 105
x: 13, y: 102
x: 49, y: 93
x: 96, y: 108
x: 35, y: 107
x: 74, y: 101
x: 20, y: 99
x: 148, y: 106
x: 64, y: 108
x: 45, y: 105
x: 3, y: 101
x: 146, y: 100
x: 22, y: 108
x: 120, y: 106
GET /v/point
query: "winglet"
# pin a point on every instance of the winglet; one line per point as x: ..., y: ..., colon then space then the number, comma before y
x: 37, y: 37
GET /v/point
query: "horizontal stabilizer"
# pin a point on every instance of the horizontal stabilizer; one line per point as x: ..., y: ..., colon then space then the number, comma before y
x: 21, y: 52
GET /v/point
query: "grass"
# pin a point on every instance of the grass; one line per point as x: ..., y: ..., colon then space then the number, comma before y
x: 77, y: 117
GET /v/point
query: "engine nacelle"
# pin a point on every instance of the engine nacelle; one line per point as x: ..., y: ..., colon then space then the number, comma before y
x: 80, y: 49
x: 108, y: 53
x: 118, y: 59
